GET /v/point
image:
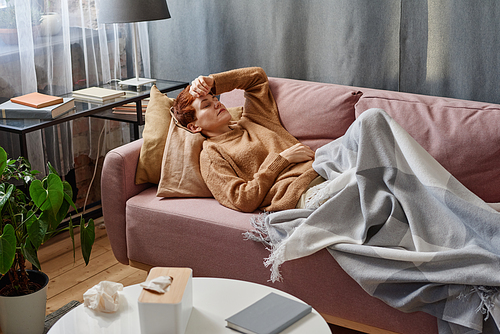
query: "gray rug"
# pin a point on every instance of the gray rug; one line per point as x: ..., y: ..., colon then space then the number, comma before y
x: 51, y: 319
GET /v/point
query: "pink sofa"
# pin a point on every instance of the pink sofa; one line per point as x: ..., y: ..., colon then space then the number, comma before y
x: 146, y: 231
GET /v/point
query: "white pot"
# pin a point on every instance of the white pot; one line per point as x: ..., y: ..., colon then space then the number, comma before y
x: 51, y: 24
x: 25, y: 314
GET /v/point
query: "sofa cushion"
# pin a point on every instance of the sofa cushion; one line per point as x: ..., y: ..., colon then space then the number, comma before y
x: 461, y: 135
x: 156, y: 125
x: 202, y: 234
x: 314, y: 113
x: 180, y: 167
x: 234, y: 98
x: 185, y: 222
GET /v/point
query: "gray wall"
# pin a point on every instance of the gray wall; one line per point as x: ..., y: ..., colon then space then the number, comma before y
x: 436, y: 47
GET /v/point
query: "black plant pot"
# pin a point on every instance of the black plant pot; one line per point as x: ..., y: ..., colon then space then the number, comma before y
x: 34, y: 276
x: 24, y: 314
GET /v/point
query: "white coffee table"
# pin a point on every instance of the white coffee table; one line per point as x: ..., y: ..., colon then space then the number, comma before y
x: 214, y: 299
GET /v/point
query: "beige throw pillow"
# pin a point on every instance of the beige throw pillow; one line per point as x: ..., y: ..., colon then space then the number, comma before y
x: 180, y: 168
x: 157, y: 122
x: 180, y: 171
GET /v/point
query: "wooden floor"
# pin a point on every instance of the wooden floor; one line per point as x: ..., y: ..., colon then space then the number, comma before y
x: 69, y: 279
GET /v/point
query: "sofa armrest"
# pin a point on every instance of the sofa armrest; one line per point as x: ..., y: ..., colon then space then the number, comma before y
x: 117, y: 186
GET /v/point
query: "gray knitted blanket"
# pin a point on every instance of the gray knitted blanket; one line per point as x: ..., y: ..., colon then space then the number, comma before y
x: 399, y: 224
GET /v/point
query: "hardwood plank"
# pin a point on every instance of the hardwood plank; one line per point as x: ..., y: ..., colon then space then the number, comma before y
x: 69, y: 279
x: 355, y: 326
x: 103, y: 242
x: 116, y: 273
x: 62, y: 244
x: 127, y: 277
x: 80, y: 273
x: 137, y: 277
x: 98, y: 223
x: 64, y: 262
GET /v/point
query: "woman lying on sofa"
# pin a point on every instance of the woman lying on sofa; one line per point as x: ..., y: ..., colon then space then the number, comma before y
x: 394, y: 219
x: 256, y: 163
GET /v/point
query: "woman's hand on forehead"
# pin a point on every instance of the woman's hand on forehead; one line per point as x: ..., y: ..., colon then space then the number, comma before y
x: 201, y: 86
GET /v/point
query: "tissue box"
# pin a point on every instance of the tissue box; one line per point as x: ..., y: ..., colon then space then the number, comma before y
x: 167, y: 313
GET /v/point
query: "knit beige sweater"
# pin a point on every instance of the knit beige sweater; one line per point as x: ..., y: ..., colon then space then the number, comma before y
x: 243, y: 168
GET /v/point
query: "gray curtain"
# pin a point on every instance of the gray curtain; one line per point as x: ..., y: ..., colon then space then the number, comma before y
x: 451, y: 48
x: 436, y: 47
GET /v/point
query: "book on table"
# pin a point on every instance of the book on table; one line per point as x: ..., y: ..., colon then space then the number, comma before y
x: 10, y: 109
x: 130, y: 108
x: 97, y: 94
x: 269, y: 315
x: 37, y: 100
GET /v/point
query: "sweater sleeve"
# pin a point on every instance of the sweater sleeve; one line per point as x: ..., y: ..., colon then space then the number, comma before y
x: 259, y: 101
x: 234, y: 191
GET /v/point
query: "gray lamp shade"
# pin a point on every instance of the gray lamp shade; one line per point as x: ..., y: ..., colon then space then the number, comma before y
x: 125, y: 11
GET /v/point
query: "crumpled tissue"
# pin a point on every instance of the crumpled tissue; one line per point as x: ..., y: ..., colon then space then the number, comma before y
x: 103, y: 297
x: 159, y: 284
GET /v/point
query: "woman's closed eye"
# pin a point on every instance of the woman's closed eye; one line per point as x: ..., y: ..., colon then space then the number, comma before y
x: 208, y: 103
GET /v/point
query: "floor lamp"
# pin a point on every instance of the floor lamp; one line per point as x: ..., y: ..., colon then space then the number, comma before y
x: 132, y: 11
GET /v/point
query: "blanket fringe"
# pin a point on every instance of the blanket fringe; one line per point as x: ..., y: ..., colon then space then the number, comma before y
x: 275, y: 260
x: 259, y: 233
x: 317, y: 195
x: 487, y: 294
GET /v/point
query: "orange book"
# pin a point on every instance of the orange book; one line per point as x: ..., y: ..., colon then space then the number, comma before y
x: 37, y: 100
x: 130, y: 108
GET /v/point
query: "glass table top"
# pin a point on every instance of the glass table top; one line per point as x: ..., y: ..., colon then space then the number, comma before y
x: 84, y: 108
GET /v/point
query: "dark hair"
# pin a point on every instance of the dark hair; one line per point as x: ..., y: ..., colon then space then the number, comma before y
x: 183, y: 110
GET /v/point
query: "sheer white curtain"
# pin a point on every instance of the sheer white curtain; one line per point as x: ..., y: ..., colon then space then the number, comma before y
x: 67, y: 51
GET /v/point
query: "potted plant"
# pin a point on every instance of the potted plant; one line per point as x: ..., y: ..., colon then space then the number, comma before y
x: 27, y: 220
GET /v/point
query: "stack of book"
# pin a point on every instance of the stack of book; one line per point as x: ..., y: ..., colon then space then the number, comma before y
x: 36, y: 105
x: 130, y: 108
x: 97, y: 94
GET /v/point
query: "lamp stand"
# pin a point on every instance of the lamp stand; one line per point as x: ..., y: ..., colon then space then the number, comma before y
x: 137, y: 82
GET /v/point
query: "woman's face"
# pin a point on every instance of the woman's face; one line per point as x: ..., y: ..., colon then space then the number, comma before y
x: 212, y: 116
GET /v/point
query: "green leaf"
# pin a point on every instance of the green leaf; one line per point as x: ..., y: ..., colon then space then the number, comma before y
x: 68, y: 194
x: 4, y: 196
x: 3, y: 160
x: 50, y: 223
x: 36, y: 230
x: 7, y: 248
x: 61, y: 214
x: 38, y: 193
x: 87, y: 237
x: 50, y: 198
x: 72, y: 235
x: 52, y: 169
x: 30, y: 254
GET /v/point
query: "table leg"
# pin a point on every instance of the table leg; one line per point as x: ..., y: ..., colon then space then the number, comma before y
x: 24, y: 145
x: 136, y: 131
